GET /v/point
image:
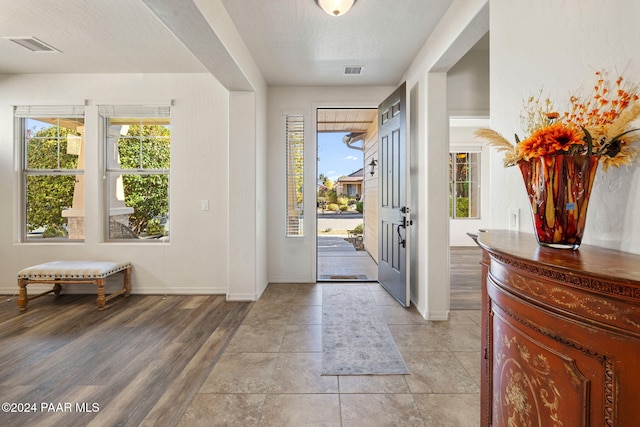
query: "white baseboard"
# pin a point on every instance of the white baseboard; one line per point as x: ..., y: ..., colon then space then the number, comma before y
x: 241, y: 297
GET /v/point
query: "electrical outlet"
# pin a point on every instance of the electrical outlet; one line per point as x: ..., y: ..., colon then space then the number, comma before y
x: 204, y: 205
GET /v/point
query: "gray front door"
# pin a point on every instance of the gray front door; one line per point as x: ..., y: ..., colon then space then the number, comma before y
x: 393, y: 212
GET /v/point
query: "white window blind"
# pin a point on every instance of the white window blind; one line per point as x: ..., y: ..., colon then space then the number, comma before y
x: 295, y: 175
x: 134, y: 110
x: 75, y: 111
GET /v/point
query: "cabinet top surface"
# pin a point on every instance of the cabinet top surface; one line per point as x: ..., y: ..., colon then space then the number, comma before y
x: 590, y: 260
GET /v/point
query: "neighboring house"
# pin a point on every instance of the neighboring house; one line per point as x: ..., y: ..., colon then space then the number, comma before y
x: 350, y: 185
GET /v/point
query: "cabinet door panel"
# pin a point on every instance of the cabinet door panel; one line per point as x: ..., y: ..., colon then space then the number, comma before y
x: 534, y: 385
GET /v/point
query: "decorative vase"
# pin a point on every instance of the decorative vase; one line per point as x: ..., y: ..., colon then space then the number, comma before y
x: 559, y: 187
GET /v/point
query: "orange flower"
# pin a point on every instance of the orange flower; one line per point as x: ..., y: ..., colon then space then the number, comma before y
x: 557, y: 138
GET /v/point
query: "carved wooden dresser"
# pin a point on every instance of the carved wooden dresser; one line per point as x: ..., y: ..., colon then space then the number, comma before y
x: 561, y: 334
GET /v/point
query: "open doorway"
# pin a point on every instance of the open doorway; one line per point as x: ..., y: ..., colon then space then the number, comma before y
x: 347, y: 194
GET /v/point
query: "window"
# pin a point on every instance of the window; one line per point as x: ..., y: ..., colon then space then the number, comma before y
x: 464, y: 184
x: 295, y: 175
x: 137, y: 164
x: 52, y: 146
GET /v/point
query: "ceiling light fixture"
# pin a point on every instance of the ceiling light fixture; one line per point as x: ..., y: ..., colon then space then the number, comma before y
x: 336, y: 7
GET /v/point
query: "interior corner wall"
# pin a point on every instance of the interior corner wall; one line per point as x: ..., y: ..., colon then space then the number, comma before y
x: 593, y: 35
x: 248, y: 231
x: 435, y: 213
x: 293, y: 259
x: 262, y: 197
x: 242, y: 197
x: 468, y: 85
x: 196, y: 260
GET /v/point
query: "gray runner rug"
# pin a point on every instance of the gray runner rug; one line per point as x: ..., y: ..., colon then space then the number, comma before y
x: 355, y: 338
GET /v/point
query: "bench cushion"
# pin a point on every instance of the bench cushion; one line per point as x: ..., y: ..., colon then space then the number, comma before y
x: 72, y: 270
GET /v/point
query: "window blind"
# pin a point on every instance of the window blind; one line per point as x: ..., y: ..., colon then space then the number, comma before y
x: 295, y: 174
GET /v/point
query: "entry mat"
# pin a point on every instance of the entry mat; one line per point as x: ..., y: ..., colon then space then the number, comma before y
x: 355, y: 338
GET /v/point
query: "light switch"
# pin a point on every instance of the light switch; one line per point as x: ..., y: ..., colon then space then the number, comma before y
x: 514, y: 219
x: 204, y: 205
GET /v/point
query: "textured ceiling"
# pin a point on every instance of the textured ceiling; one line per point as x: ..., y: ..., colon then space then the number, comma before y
x: 293, y: 42
x: 94, y: 36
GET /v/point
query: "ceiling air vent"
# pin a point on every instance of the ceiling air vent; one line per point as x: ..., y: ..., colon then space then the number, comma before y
x: 353, y: 70
x: 33, y: 44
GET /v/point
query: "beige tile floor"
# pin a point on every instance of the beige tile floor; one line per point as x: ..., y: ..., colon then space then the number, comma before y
x: 269, y: 375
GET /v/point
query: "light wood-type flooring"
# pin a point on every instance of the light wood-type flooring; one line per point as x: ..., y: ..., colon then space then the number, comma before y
x: 198, y: 360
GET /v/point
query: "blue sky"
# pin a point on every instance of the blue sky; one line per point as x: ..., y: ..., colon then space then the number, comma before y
x: 335, y: 158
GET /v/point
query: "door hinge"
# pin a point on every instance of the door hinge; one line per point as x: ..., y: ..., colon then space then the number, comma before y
x: 486, y: 353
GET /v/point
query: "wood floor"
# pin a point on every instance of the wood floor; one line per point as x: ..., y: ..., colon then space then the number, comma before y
x: 145, y: 358
x: 465, y: 278
x: 139, y: 363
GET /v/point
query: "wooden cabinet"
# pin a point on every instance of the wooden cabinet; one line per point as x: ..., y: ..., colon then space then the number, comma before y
x: 561, y: 334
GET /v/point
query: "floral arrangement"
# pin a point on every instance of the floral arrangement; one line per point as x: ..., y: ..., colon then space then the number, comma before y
x: 596, y: 125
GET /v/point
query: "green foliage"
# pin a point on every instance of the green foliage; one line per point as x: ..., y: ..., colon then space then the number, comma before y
x: 54, y: 231
x: 47, y: 195
x: 344, y: 208
x: 145, y: 147
x: 333, y: 207
x: 155, y: 228
x: 359, y: 229
x: 360, y: 207
x: 462, y: 207
x: 332, y: 197
x: 343, y: 200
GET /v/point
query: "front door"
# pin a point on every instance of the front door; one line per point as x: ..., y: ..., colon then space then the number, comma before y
x: 393, y: 210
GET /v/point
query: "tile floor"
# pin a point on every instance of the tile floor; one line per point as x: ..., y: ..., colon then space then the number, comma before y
x: 269, y: 375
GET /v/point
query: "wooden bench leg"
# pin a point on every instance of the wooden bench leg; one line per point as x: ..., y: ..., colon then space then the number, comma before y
x: 101, y: 298
x: 127, y: 281
x: 22, y: 295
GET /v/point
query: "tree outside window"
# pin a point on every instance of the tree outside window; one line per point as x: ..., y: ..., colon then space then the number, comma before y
x: 138, y: 164
x: 464, y: 185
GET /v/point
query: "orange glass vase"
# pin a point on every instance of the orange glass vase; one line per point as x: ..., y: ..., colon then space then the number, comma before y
x: 559, y: 188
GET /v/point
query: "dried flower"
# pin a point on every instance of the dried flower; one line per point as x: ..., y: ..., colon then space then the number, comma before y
x: 595, y: 125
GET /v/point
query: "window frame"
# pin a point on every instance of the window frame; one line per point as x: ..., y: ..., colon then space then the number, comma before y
x: 474, y: 187
x: 111, y: 174
x: 294, y: 174
x: 22, y: 113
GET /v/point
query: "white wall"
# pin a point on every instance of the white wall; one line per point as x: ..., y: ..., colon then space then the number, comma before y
x: 468, y: 85
x: 578, y: 39
x: 196, y: 260
x: 293, y: 259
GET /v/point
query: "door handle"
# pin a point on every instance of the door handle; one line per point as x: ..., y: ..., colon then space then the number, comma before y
x: 401, y: 241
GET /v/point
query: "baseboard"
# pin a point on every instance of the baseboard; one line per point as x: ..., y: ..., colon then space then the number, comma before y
x: 436, y: 315
x: 242, y: 297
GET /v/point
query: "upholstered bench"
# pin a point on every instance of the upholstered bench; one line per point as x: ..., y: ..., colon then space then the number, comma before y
x: 60, y: 273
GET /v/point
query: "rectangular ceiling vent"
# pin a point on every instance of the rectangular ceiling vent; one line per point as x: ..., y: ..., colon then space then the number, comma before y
x: 353, y: 70
x: 33, y: 44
